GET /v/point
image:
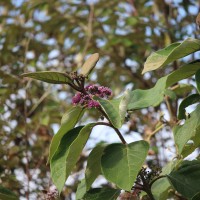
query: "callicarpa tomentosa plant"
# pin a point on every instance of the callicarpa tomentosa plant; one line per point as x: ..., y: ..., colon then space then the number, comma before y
x: 123, y: 163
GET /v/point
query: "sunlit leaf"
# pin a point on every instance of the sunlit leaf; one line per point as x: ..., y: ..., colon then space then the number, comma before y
x: 89, y: 64
x: 188, y: 131
x: 171, y: 53
x: 145, y: 98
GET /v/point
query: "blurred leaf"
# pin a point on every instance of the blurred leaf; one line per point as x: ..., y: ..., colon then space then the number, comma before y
x: 121, y: 163
x: 67, y: 154
x: 89, y: 64
x: 171, y: 53
x: 69, y: 120
x: 6, y: 194
x: 170, y: 93
x: 101, y: 193
x: 93, y: 168
x: 188, y: 131
x: 161, y: 187
x: 197, y: 78
x: 183, y: 89
x: 49, y: 77
x: 189, y: 100
x: 81, y: 190
x: 145, y: 98
x: 196, y: 196
x: 186, y: 179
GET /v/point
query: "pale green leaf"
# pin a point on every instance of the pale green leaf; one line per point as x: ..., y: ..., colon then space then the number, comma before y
x: 6, y: 194
x: 188, y: 131
x: 93, y: 168
x: 89, y: 64
x: 171, y: 53
x: 81, y: 190
x: 197, y: 78
x: 121, y: 163
x: 145, y: 98
x: 69, y: 120
x: 49, y: 77
x: 67, y: 154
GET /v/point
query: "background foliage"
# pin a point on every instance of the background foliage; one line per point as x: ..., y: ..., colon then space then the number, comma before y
x: 58, y: 35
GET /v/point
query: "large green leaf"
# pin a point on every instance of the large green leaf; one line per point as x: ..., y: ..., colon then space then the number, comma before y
x: 89, y: 64
x: 171, y: 53
x: 154, y: 96
x: 67, y: 154
x: 189, y: 131
x: 197, y: 78
x: 6, y: 194
x: 186, y: 179
x: 101, y: 193
x: 121, y: 163
x: 194, y: 98
x: 112, y: 111
x: 49, y: 77
x: 93, y: 168
x: 69, y: 120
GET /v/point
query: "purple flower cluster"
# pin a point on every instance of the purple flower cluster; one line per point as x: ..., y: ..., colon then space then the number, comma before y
x: 99, y: 91
x: 87, y: 99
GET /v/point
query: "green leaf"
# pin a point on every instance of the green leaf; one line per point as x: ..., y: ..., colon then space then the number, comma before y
x: 194, y: 98
x: 197, y: 78
x: 81, y: 190
x: 112, y: 111
x: 67, y: 154
x: 6, y: 194
x: 123, y: 105
x: 160, y: 187
x: 171, y: 53
x: 93, y: 168
x: 49, y: 77
x: 89, y: 64
x: 69, y: 120
x: 188, y: 131
x: 170, y: 93
x: 121, y: 163
x: 186, y: 179
x: 101, y: 193
x: 183, y: 89
x: 145, y: 98
x: 196, y: 196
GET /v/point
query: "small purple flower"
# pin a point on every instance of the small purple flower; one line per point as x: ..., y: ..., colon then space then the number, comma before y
x: 77, y: 98
x: 87, y: 99
x: 93, y: 104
